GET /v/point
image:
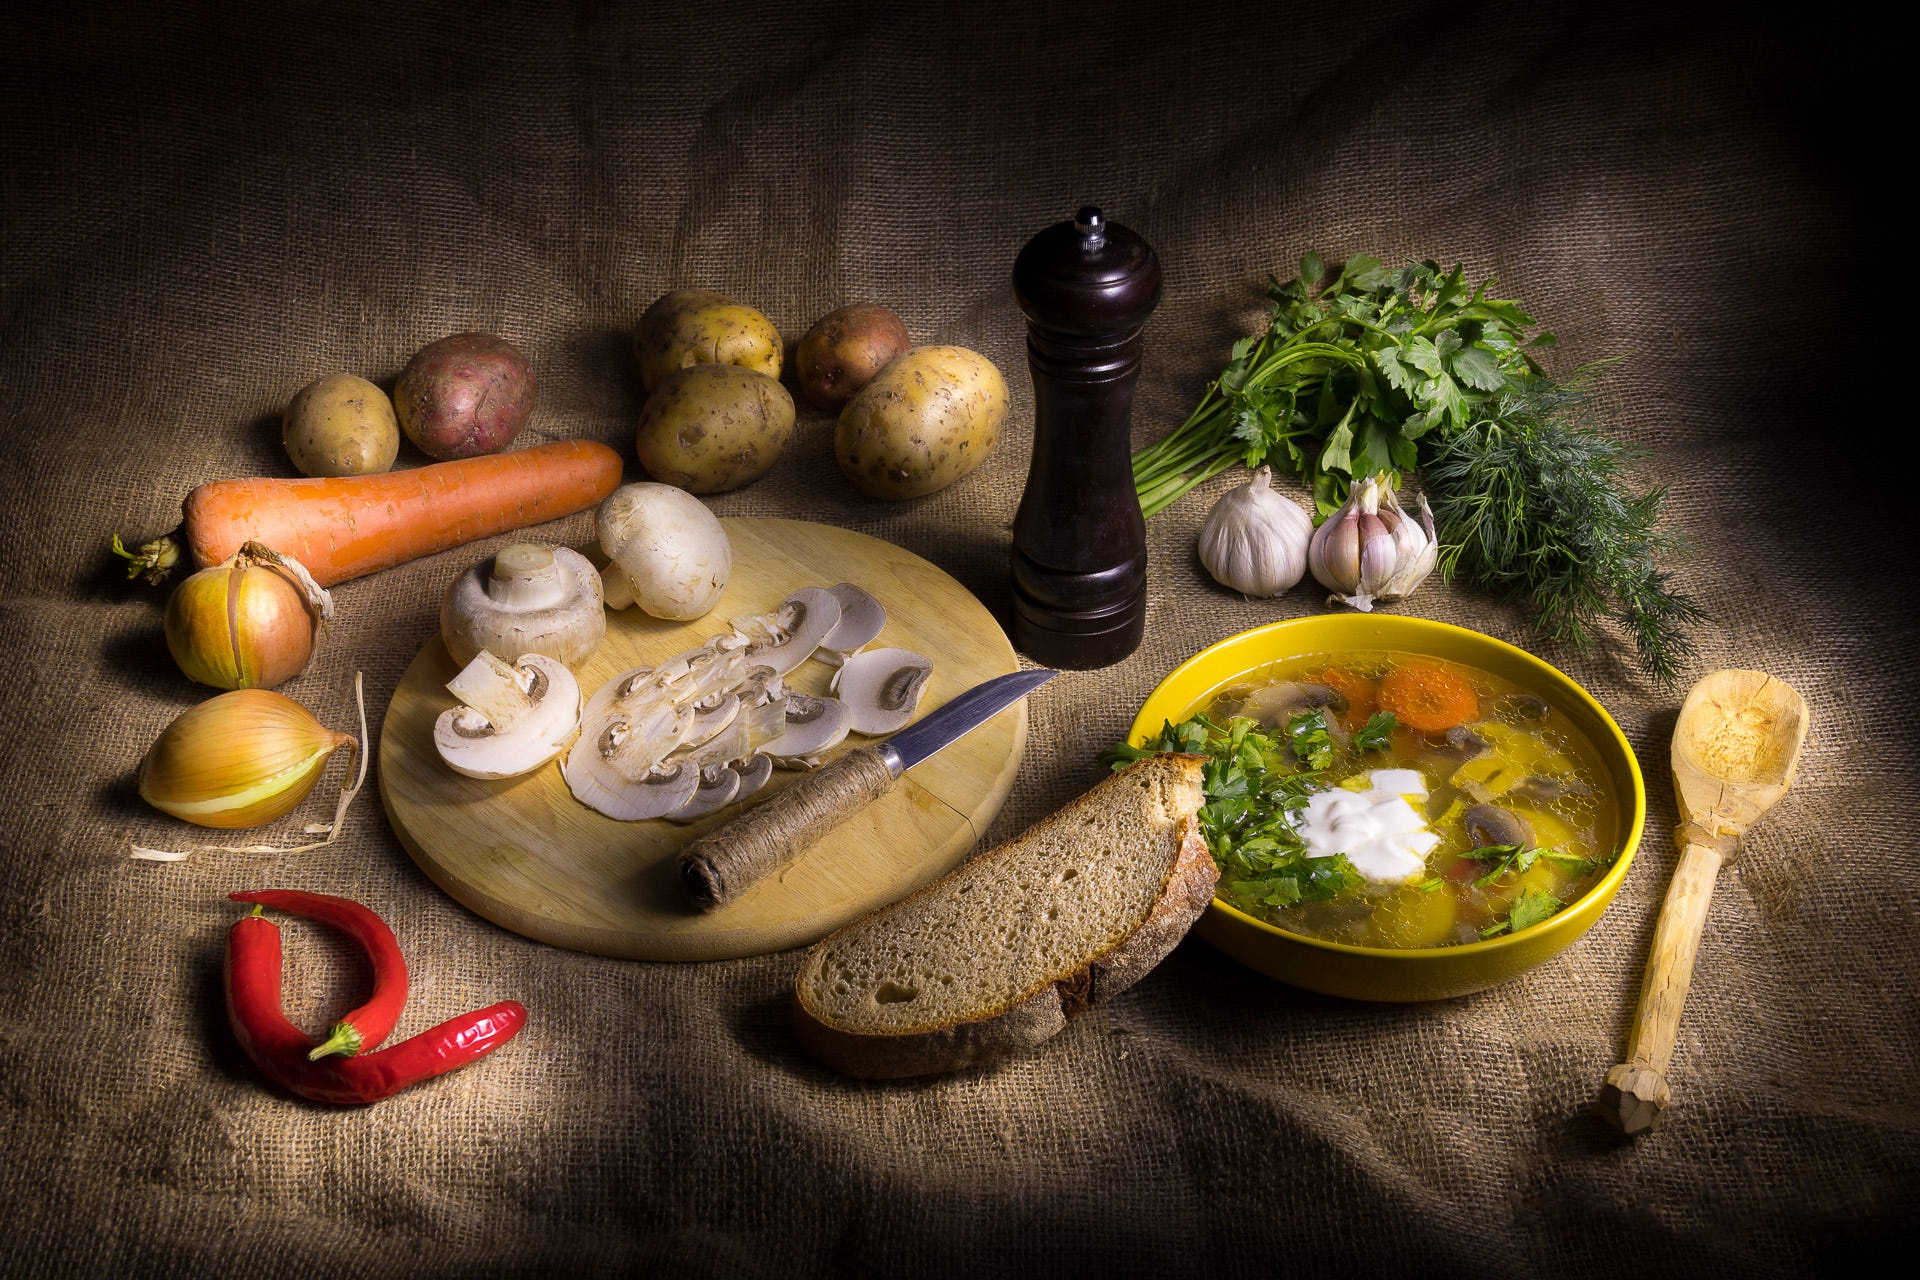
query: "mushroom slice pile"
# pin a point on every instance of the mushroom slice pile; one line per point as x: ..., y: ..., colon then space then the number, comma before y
x: 514, y: 717
x: 707, y: 727
x: 882, y: 688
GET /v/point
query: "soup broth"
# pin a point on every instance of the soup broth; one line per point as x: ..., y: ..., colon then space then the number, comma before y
x: 1481, y: 810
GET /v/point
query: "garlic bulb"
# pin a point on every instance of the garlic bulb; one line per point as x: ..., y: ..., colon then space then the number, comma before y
x: 1255, y: 540
x: 1370, y: 550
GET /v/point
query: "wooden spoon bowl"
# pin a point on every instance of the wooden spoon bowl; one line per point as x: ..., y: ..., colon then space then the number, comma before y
x: 1735, y: 749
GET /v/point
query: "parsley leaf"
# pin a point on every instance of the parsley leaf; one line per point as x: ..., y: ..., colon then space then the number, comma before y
x: 1373, y: 735
x: 1312, y: 744
x: 1532, y: 907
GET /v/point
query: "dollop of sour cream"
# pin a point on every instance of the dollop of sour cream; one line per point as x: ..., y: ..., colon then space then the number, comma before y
x: 1378, y: 828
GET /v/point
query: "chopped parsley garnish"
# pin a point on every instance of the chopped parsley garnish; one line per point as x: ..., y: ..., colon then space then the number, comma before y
x: 1251, y: 785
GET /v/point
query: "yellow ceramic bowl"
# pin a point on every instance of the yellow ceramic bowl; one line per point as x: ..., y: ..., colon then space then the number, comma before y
x: 1377, y: 973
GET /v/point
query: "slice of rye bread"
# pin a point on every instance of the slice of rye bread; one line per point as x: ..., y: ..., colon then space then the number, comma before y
x: 993, y: 959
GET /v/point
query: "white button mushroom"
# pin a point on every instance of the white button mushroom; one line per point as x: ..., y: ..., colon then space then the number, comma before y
x: 669, y: 554
x: 525, y: 598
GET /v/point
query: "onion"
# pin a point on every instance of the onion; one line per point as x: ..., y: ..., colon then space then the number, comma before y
x: 238, y: 760
x: 249, y: 622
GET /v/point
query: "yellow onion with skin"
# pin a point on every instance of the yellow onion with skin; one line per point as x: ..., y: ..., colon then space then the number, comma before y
x: 238, y: 760
x: 249, y: 622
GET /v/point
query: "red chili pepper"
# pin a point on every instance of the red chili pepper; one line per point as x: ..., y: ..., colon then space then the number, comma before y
x: 279, y: 1049
x: 374, y: 1021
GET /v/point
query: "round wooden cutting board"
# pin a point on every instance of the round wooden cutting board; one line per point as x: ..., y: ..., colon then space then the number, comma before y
x: 526, y: 855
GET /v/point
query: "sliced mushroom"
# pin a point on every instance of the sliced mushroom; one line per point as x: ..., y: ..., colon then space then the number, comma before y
x: 710, y: 717
x: 1275, y: 704
x: 812, y: 725
x: 754, y: 772
x: 515, y: 717
x: 1547, y: 789
x: 1519, y: 708
x: 882, y: 688
x: 525, y: 598
x: 717, y: 787
x: 861, y: 620
x: 1489, y: 824
x: 659, y: 793
x: 806, y: 617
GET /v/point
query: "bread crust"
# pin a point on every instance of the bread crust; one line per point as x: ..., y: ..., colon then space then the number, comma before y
x: 1030, y: 1020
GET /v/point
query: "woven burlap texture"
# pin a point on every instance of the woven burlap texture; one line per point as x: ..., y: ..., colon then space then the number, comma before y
x: 204, y: 211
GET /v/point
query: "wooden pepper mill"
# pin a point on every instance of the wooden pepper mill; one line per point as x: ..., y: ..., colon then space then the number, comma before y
x: 1079, y: 541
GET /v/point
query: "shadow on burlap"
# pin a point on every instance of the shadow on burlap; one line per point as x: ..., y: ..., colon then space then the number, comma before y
x: 203, y: 213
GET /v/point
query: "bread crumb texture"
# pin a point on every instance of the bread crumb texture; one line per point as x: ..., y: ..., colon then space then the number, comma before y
x: 1036, y: 910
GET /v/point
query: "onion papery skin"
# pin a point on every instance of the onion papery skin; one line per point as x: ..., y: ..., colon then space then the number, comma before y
x: 238, y: 760
x: 265, y: 639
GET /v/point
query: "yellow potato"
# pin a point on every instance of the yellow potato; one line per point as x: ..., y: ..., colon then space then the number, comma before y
x: 713, y: 427
x: 928, y: 418
x: 693, y: 326
x: 340, y: 426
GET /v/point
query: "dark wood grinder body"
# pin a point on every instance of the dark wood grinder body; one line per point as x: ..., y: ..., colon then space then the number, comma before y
x: 1079, y: 541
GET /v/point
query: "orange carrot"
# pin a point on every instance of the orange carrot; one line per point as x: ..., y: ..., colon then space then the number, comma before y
x: 341, y: 528
x: 1428, y: 698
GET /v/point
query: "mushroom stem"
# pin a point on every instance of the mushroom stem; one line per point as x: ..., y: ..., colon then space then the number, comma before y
x: 494, y: 689
x: 617, y: 587
x: 526, y: 576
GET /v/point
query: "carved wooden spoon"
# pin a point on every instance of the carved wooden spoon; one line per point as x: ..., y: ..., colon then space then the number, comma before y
x: 1735, y: 748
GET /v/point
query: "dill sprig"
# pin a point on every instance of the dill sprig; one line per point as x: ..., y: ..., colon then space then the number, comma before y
x: 1532, y: 502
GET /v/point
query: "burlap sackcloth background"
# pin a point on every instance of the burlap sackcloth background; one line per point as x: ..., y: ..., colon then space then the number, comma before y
x: 205, y: 210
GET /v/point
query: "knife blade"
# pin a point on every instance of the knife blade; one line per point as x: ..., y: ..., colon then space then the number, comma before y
x: 719, y: 866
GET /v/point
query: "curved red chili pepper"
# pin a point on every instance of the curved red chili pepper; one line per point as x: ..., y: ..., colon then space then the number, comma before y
x: 279, y: 1049
x: 364, y: 1028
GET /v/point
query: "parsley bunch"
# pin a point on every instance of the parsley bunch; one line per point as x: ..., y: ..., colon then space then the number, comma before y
x: 1391, y: 371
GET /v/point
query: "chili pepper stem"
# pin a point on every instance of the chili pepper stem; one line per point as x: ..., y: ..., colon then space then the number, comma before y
x: 343, y: 1038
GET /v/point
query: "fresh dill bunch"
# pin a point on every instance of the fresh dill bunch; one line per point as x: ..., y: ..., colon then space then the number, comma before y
x: 1532, y: 500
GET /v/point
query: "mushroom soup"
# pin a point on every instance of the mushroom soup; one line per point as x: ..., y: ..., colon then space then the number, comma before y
x: 1410, y: 802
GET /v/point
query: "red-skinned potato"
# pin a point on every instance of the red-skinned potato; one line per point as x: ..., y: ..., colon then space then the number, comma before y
x: 844, y: 350
x: 464, y: 395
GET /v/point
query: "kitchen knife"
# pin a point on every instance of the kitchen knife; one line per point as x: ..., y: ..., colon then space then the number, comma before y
x: 728, y: 860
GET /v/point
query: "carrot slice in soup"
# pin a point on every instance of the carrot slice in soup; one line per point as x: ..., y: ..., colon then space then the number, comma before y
x: 1428, y: 698
x: 1360, y: 693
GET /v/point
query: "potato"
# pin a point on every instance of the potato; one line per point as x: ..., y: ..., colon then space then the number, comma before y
x: 690, y: 326
x: 340, y: 425
x: 925, y: 420
x: 464, y: 395
x: 844, y: 350
x: 713, y: 427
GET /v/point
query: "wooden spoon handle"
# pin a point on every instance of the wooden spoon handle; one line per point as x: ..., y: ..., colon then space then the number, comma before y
x: 1636, y: 1093
x: 724, y: 863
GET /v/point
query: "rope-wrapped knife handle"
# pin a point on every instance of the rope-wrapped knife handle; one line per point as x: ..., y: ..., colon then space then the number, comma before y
x: 729, y: 860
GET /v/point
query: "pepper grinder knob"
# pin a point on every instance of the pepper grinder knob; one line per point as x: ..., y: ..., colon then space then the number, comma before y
x: 1086, y: 287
